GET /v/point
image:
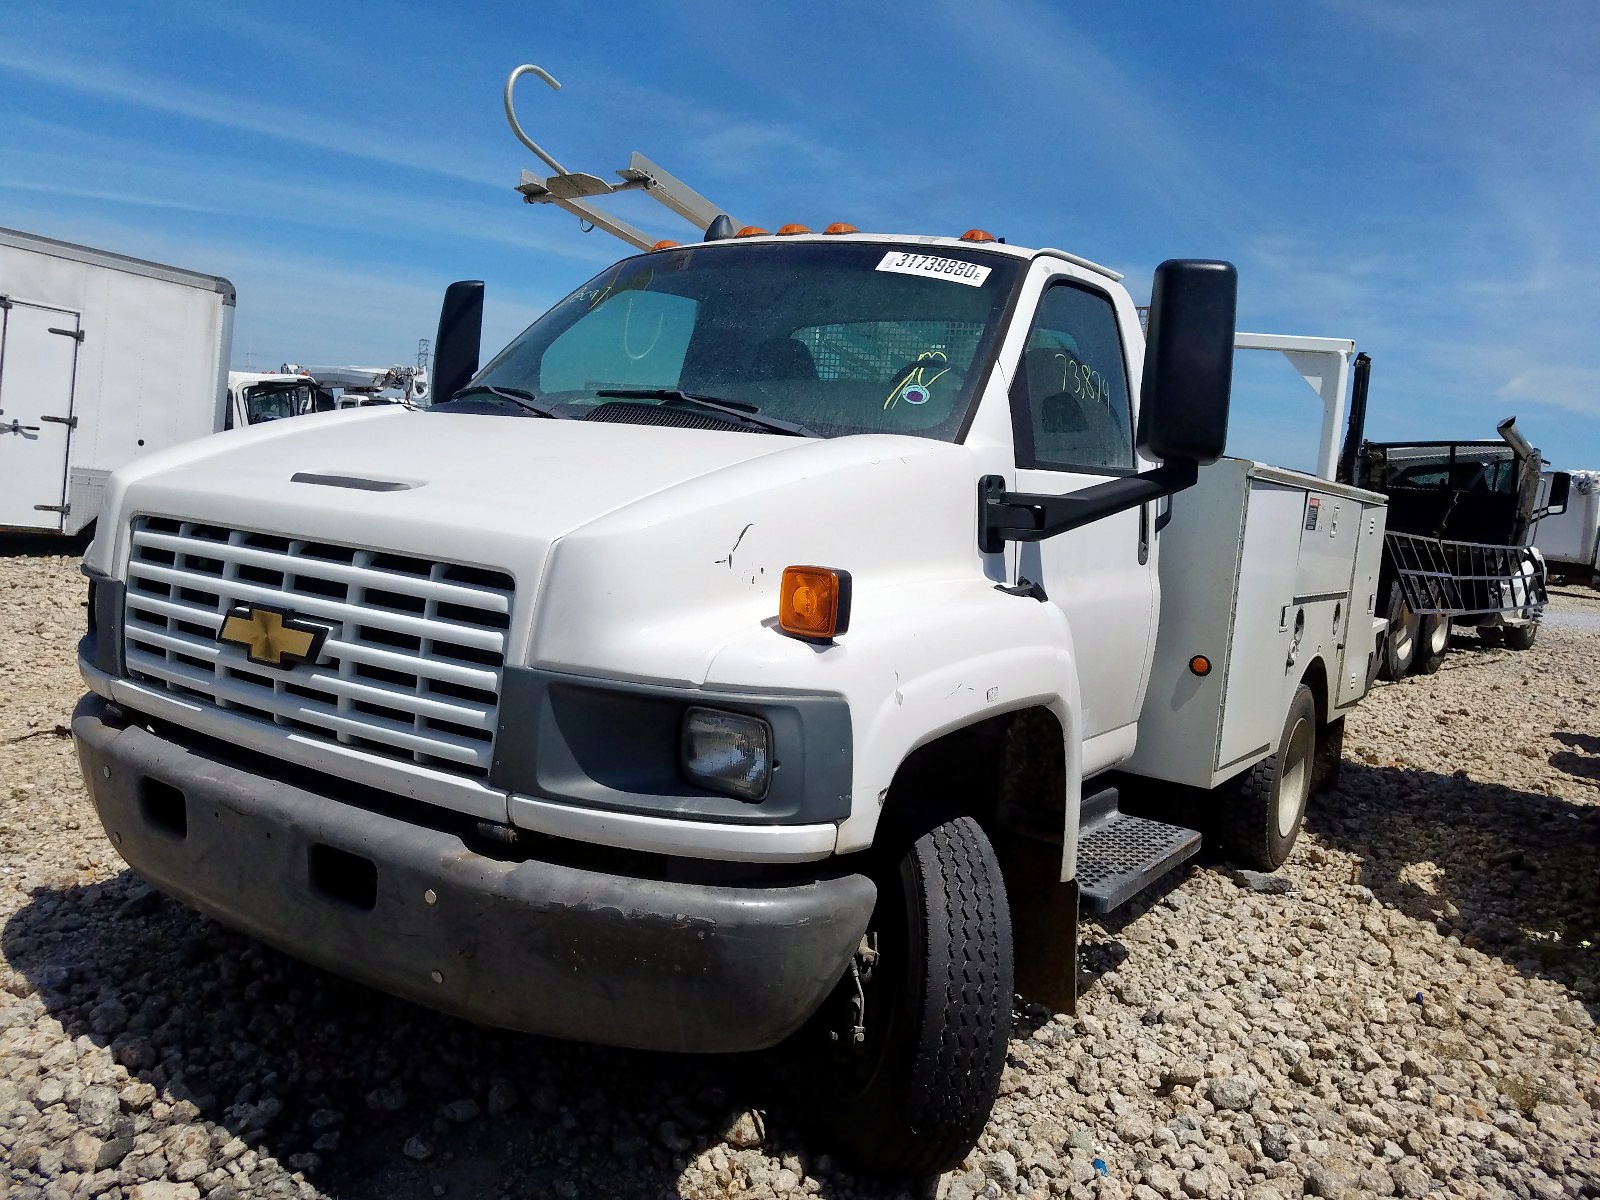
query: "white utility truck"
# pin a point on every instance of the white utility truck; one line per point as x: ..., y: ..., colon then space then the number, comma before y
x: 672, y: 683
x: 255, y: 397
x: 1570, y: 540
x: 103, y: 359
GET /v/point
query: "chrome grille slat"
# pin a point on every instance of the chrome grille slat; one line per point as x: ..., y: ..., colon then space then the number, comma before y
x: 410, y: 669
x: 476, y: 716
x: 457, y: 593
x: 318, y: 606
x: 479, y: 678
x: 301, y: 710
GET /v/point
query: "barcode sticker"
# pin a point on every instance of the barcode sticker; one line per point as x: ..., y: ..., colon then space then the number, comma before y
x: 952, y: 269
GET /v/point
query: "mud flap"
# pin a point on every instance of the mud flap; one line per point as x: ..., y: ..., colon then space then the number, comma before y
x: 1044, y: 919
x: 1328, y: 763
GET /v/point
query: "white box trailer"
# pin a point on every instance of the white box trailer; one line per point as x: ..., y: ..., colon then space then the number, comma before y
x: 103, y: 359
x: 1570, y: 540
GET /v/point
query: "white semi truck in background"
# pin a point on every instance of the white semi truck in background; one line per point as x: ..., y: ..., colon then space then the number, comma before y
x: 1570, y: 540
x: 103, y: 359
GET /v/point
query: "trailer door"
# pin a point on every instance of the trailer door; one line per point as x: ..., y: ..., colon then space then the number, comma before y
x: 38, y: 361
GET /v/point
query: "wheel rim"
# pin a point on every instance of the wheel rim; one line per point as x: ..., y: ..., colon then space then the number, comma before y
x: 1294, y: 780
x: 1405, y: 637
x: 1439, y: 637
x: 855, y: 1065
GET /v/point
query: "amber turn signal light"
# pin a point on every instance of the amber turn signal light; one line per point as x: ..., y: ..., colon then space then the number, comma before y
x: 814, y: 602
x: 1200, y: 665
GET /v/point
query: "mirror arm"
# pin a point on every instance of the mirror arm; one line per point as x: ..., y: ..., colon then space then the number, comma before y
x: 1029, y: 517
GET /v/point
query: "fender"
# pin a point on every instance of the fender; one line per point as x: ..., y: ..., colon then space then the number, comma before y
x: 922, y: 660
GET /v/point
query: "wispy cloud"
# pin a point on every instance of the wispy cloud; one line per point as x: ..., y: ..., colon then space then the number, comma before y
x: 293, y: 126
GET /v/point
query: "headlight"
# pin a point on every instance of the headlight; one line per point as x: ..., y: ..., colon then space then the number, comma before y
x: 727, y: 752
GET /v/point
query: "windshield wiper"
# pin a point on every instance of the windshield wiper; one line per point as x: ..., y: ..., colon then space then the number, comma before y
x: 521, y: 397
x: 736, y: 409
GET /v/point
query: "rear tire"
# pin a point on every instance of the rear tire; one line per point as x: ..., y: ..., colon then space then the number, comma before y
x: 1521, y: 637
x: 1432, y: 644
x: 911, y: 1099
x: 1400, y: 639
x: 1267, y: 804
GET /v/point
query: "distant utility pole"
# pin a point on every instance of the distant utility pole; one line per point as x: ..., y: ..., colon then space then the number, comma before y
x: 424, y: 354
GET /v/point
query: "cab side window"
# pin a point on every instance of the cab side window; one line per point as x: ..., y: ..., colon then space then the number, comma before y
x: 1069, y: 401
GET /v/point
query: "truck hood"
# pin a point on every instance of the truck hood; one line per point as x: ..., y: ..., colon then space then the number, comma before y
x: 590, y: 519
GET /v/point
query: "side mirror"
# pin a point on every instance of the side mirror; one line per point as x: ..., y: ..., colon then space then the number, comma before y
x: 455, y: 348
x: 1188, y: 361
x: 1560, y: 492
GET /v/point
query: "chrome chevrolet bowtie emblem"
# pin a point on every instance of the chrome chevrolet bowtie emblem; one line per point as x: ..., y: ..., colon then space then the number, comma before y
x: 273, y: 637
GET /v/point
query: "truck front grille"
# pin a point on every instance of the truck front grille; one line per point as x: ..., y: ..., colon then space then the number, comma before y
x: 410, y: 669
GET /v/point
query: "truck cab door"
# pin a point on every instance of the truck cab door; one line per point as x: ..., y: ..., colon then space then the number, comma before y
x: 1073, y: 426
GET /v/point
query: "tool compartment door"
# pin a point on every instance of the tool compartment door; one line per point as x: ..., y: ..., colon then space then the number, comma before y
x: 1357, y: 641
x: 38, y: 360
x: 1259, y: 651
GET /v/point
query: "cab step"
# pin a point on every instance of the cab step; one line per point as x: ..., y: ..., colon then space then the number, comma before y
x: 1121, y: 855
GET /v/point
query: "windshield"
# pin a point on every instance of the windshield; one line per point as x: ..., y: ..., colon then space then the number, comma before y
x: 837, y: 339
x: 273, y: 402
x: 1447, y: 468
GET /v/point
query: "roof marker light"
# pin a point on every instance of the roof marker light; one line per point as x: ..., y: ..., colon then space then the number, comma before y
x: 841, y: 227
x: 977, y: 235
x: 752, y: 231
x: 786, y: 230
x: 664, y: 244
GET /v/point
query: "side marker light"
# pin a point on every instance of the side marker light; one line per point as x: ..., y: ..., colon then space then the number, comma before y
x: 814, y: 602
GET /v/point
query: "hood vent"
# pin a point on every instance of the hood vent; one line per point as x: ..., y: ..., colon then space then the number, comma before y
x: 352, y: 481
x: 623, y: 412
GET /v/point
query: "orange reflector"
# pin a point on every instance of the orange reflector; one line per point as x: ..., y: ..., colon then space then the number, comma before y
x: 664, y: 244
x: 751, y: 231
x: 841, y: 227
x: 977, y: 235
x: 814, y: 602
x: 785, y: 230
x: 1200, y: 665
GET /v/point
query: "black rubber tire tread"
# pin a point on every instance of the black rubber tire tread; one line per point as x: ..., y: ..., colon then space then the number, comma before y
x: 1519, y: 637
x: 1248, y: 825
x: 1427, y: 662
x: 925, y: 1109
x: 1390, y: 665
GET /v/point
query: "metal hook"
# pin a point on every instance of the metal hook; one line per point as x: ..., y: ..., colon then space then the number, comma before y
x: 511, y: 114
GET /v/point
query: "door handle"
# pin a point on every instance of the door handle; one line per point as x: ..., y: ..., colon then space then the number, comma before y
x: 69, y: 422
x: 75, y: 334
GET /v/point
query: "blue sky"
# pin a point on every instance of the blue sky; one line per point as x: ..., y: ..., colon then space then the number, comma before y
x: 1418, y: 176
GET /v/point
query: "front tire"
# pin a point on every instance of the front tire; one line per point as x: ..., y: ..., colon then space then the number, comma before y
x: 1267, y: 804
x: 1400, y: 640
x: 1521, y: 637
x: 934, y: 1012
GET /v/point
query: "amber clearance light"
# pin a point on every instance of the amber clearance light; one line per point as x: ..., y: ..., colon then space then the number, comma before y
x: 814, y: 602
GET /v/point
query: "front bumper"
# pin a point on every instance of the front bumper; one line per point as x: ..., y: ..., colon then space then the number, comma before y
x: 541, y: 946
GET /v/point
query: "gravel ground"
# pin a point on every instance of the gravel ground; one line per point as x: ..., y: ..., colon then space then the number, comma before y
x: 1407, y: 1009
